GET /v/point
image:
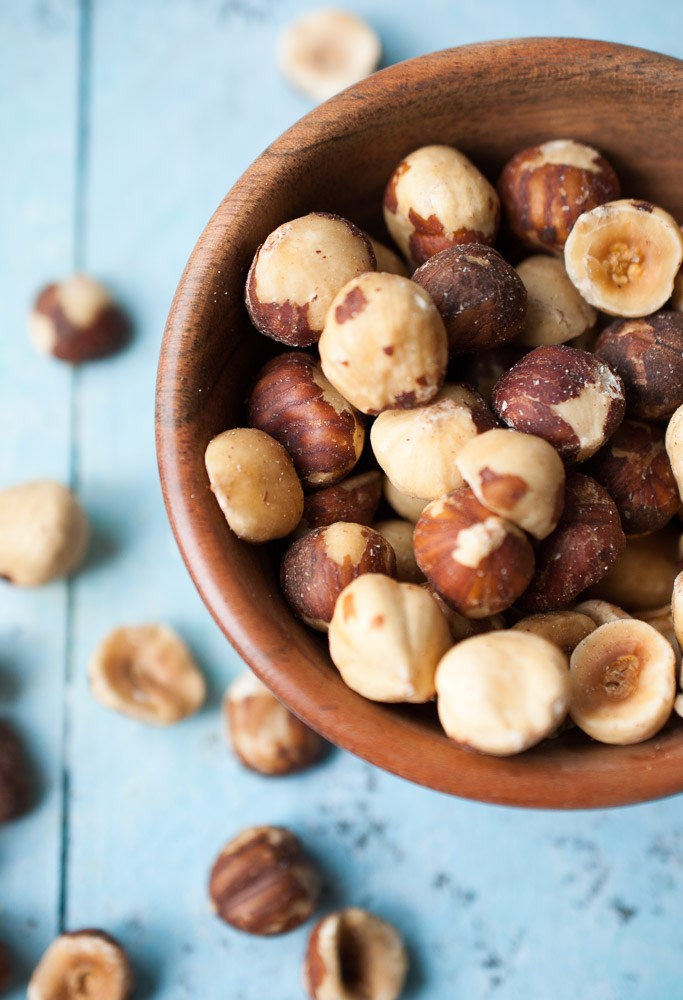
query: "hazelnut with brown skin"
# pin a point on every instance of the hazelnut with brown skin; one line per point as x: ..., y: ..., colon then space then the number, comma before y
x: 82, y: 965
x: 14, y: 775
x: 354, y: 499
x: 483, y: 371
x: 408, y: 507
x: 643, y: 576
x: 399, y: 534
x: 77, y: 320
x: 556, y: 312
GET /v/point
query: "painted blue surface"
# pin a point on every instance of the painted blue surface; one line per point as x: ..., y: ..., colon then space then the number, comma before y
x: 122, y: 124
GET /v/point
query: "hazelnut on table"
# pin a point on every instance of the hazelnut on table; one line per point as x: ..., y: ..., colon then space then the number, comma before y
x: 556, y: 312
x: 14, y: 775
x: 87, y: 964
x: 77, y: 320
x: 355, y: 499
x: 399, y: 534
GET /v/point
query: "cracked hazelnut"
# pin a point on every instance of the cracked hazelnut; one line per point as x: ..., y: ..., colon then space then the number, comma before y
x: 568, y: 397
x: 399, y: 534
x: 408, y: 507
x: 353, y: 955
x: 354, y: 499
x: 297, y: 272
x: 673, y: 442
x: 384, y: 344
x: 263, y: 883
x: 565, y: 629
x: 148, y: 673
x: 77, y: 320
x: 14, y: 775
x: 82, y: 965
x: 642, y: 577
x: 483, y: 370
x: 601, y: 612
x: 556, y: 312
x: 387, y: 261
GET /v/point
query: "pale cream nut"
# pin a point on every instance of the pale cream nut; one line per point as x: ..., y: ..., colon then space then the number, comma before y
x: 399, y: 534
x: 565, y: 629
x: 642, y: 577
x: 388, y: 261
x: 556, y: 312
x: 674, y: 446
x: 601, y: 612
x: 677, y: 609
x: 408, y: 507
x: 82, y: 965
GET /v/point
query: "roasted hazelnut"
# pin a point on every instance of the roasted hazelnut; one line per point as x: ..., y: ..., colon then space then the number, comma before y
x: 354, y: 499
x: 601, y: 612
x: 586, y: 543
x: 648, y: 355
x: 436, y: 198
x: 316, y: 568
x: 570, y: 398
x: 77, y: 320
x: 408, y: 507
x: 479, y: 562
x: 387, y: 261
x: 565, y: 629
x: 482, y: 371
x: 44, y: 533
x: 384, y: 344
x: 82, y: 965
x: 353, y: 955
x: 399, y: 534
x: 263, y: 883
x: 544, y: 189
x: 294, y: 403
x: 643, y: 575
x: 14, y: 775
x: 263, y: 733
x: 481, y: 298
x: 148, y: 673
x: 418, y: 448
x: 255, y: 483
x: 518, y: 476
x: 298, y: 271
x: 673, y: 442
x: 386, y: 639
x: 556, y: 312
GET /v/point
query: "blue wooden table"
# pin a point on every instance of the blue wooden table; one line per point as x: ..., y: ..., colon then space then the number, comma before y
x: 122, y: 124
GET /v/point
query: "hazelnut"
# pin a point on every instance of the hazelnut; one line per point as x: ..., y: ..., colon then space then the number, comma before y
x: 565, y: 629
x: 255, y: 483
x: 677, y: 609
x: 481, y: 298
x: 263, y: 883
x: 673, y: 442
x: 14, y: 775
x: 384, y: 344
x: 264, y: 734
x: 503, y: 692
x: 622, y: 682
x: 544, y: 189
x: 601, y: 612
x: 386, y: 639
x: 479, y: 562
x: 316, y: 568
x: 354, y: 499
x: 459, y: 626
x: 298, y: 271
x: 436, y: 198
x: 353, y: 955
x: 635, y: 470
x: 82, y: 965
x: 44, y: 533
x: 556, y: 312
x: 399, y: 534
x: 418, y: 448
x: 518, y: 476
x: 570, y: 398
x: 408, y: 507
x: 648, y: 355
x: 643, y: 575
x: 148, y: 673
x: 483, y: 370
x: 388, y: 261
x: 586, y: 543
x: 661, y: 619
x: 294, y: 403
x: 77, y: 320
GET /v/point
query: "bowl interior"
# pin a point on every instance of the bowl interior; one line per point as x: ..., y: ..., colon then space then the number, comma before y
x: 489, y: 100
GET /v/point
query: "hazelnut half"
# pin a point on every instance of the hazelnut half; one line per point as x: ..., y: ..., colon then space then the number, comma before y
x: 556, y: 312
x: 77, y: 320
x: 82, y: 965
x: 14, y: 775
x: 354, y: 499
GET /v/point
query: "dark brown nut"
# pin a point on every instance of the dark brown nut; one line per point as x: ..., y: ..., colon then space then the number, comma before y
x: 262, y: 882
x: 544, y: 189
x: 601, y: 612
x: 481, y: 298
x: 387, y: 261
x: 570, y: 398
x: 298, y: 271
x: 482, y: 371
x: 355, y: 499
x: 399, y: 534
x: 263, y: 733
x: 635, y: 470
x: 565, y: 629
x: 408, y: 507
x: 586, y: 543
x: 317, y: 567
x: 437, y: 198
x: 459, y: 626
x: 384, y: 344
x: 648, y: 355
x: 353, y: 955
x: 14, y: 775
x: 5, y: 968
x: 643, y: 576
x: 82, y: 965
x: 294, y: 403
x: 556, y: 312
x: 479, y: 562
x: 78, y: 320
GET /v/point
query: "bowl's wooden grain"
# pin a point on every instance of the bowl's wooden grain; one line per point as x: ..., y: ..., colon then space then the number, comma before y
x: 489, y: 100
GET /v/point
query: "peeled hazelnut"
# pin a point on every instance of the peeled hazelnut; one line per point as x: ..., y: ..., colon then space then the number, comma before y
x: 384, y: 344
x: 565, y: 629
x: 481, y: 298
x: 353, y: 955
x: 503, y: 692
x: 407, y: 506
x: 44, y: 533
x: 642, y: 577
x: 418, y: 448
x: 519, y: 476
x: 294, y: 403
x: 14, y: 775
x: 648, y: 355
x: 77, y: 320
x: 263, y: 883
x: 677, y: 609
x: 264, y: 734
x: 316, y: 568
x: 387, y: 261
x: 399, y: 534
x: 148, y: 673
x: 674, y: 447
x: 479, y: 562
x: 255, y: 483
x: 570, y: 398
x: 354, y: 499
x: 544, y: 189
x: 482, y: 371
x: 601, y: 612
x: 298, y: 271
x: 386, y: 639
x: 623, y: 682
x: 556, y: 312
x: 82, y: 965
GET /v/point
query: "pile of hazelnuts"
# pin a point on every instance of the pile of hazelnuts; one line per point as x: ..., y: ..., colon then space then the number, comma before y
x: 526, y: 594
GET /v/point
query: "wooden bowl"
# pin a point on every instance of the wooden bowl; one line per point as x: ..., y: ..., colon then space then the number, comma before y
x: 489, y: 100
